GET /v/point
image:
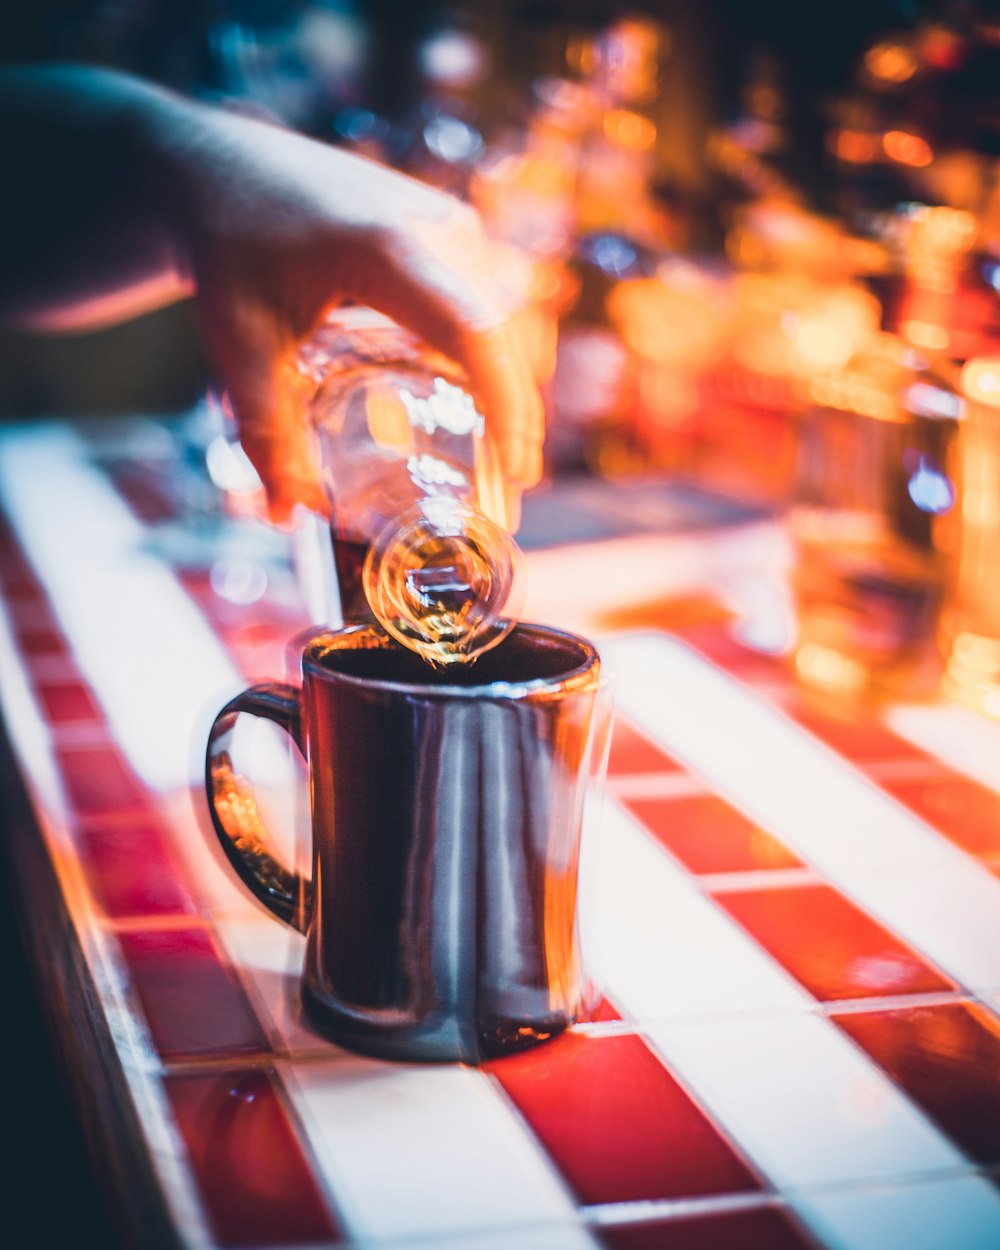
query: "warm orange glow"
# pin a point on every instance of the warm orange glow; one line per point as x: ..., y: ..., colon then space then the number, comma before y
x: 980, y: 380
x: 823, y: 345
x: 668, y: 323
x: 856, y: 147
x: 820, y: 665
x: 941, y: 47
x: 629, y: 130
x: 829, y: 334
x: 925, y: 334
x: 891, y: 62
x: 907, y: 149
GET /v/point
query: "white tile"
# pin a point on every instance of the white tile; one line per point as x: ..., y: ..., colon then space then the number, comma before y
x: 664, y: 950
x: 957, y: 1213
x: 142, y: 645
x: 424, y: 1151
x: 803, y: 1102
x: 816, y: 803
x: 958, y: 736
x: 950, y: 913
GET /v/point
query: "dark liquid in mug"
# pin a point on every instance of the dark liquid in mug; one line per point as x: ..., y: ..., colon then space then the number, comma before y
x: 521, y: 657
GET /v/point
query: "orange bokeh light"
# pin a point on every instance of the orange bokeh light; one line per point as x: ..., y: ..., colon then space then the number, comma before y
x: 907, y: 149
x: 629, y: 130
x: 856, y: 147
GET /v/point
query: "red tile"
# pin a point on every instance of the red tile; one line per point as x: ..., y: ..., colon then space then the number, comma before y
x: 947, y: 1058
x: 633, y: 752
x: 143, y: 490
x: 833, y: 947
x: 259, y: 648
x: 192, y: 1002
x: 604, y: 1012
x: 743, y: 662
x: 17, y: 576
x: 99, y: 781
x: 67, y: 701
x: 616, y: 1122
x: 966, y: 813
x: 708, y: 835
x: 251, y: 1170
x: 131, y: 871
x: 37, y: 639
x: 857, y: 735
x: 764, y: 1228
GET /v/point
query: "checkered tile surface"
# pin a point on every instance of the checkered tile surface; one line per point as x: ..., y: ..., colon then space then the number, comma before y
x: 797, y: 917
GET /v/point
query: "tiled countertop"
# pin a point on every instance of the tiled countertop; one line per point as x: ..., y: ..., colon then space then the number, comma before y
x: 797, y: 918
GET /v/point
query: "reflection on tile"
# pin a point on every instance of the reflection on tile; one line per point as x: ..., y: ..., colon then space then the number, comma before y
x: 632, y: 752
x: 947, y: 1058
x: 425, y: 1151
x: 832, y: 947
x: 709, y: 835
x: 254, y: 1180
x: 616, y: 1122
x: 764, y: 1228
x: 66, y: 701
x: 951, y: 913
x: 957, y: 1213
x: 966, y: 813
x: 802, y: 1101
x: 99, y: 781
x: 130, y: 868
x: 192, y: 1003
x: 269, y: 956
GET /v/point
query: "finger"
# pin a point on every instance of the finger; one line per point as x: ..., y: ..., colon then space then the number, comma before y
x: 459, y: 319
x: 271, y: 421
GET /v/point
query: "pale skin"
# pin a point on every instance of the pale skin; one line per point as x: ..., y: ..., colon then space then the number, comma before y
x: 123, y: 197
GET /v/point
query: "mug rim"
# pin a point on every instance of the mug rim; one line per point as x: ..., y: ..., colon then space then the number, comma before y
x: 577, y: 677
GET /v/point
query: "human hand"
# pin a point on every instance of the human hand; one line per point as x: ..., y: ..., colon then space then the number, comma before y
x: 278, y: 229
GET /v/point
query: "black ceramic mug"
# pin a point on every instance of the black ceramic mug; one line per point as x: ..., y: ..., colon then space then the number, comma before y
x: 442, y: 915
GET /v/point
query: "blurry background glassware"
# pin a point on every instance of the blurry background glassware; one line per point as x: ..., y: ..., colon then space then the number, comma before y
x: 869, y: 526
x: 971, y: 618
x: 419, y: 509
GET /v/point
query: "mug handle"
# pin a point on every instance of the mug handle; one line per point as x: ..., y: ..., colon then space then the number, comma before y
x: 233, y: 808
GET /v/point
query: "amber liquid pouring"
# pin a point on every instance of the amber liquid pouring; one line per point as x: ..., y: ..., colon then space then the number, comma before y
x: 442, y: 611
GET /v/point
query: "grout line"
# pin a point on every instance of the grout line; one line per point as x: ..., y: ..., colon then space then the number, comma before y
x: 757, y: 879
x: 665, y: 785
x: 646, y: 1211
x: 887, y: 1002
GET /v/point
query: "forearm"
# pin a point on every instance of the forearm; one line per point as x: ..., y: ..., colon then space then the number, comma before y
x: 88, y: 227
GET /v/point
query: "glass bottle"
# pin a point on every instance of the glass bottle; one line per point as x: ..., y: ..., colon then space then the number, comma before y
x: 418, y: 511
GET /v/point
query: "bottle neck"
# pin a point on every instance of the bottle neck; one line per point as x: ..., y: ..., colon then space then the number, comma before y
x: 443, y: 581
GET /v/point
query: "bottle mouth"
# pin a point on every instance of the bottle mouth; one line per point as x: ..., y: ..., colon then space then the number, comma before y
x: 444, y: 581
